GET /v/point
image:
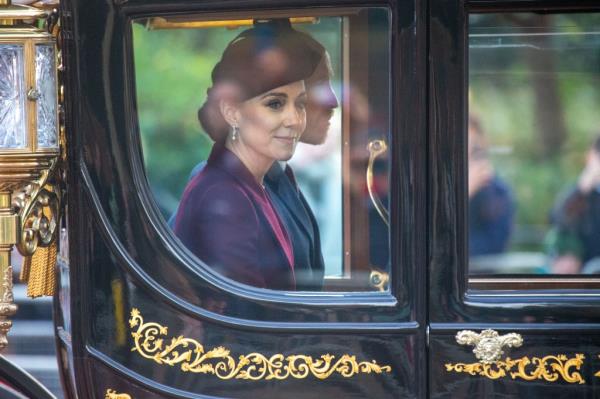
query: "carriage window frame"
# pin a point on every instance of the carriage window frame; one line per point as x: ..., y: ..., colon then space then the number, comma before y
x: 515, y: 285
x: 390, y: 295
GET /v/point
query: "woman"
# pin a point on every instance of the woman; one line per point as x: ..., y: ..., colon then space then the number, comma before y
x: 255, y: 113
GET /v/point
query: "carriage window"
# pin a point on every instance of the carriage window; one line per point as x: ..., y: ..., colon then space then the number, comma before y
x: 265, y: 141
x: 534, y: 143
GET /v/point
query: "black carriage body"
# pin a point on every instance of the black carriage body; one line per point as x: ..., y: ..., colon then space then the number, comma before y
x: 125, y: 270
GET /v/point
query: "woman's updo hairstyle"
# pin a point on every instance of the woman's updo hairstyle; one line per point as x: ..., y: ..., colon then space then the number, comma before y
x: 267, y: 56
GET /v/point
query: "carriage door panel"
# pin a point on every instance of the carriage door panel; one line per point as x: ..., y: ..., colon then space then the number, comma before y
x: 513, y: 301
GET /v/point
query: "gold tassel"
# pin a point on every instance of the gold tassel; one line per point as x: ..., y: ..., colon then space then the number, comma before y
x: 39, y: 272
x: 24, y: 276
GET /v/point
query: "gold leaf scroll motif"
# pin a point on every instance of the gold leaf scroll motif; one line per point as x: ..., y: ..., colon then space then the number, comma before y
x: 190, y: 355
x: 111, y: 394
x: 549, y: 368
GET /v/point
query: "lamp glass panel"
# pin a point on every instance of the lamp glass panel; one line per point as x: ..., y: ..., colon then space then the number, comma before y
x: 45, y: 76
x: 12, y: 98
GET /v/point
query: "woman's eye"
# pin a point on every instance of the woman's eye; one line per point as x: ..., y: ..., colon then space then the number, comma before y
x: 274, y: 104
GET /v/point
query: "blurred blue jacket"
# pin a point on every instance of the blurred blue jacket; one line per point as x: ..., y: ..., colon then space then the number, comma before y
x: 491, y: 212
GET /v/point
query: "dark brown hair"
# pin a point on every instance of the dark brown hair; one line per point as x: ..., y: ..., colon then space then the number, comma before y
x: 269, y: 55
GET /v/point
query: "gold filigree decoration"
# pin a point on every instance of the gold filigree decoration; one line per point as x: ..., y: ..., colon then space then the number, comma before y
x: 111, y: 394
x: 7, y: 287
x: 7, y: 306
x: 549, y: 368
x: 488, y: 344
x: 190, y: 355
x: 597, y: 373
x: 38, y: 204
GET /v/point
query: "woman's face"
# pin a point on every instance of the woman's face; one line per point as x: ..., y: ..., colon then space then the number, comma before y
x: 271, y: 123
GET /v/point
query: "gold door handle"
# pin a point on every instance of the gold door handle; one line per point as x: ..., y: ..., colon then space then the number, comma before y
x: 488, y: 344
x: 379, y: 279
x: 376, y: 148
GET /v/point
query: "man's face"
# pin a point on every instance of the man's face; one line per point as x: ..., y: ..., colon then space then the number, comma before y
x: 476, y: 145
x: 321, y: 103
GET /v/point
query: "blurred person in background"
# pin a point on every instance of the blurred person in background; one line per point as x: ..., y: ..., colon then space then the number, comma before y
x: 279, y: 182
x: 574, y: 241
x: 491, y: 204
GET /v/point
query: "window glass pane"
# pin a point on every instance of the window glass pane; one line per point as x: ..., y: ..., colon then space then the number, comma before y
x: 534, y: 143
x: 265, y: 145
x: 12, y: 98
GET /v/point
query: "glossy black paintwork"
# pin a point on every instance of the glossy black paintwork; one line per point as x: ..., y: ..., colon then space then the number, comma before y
x: 19, y: 381
x: 117, y: 236
x: 104, y: 345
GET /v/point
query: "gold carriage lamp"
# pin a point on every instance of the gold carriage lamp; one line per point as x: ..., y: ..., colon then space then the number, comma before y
x: 28, y: 142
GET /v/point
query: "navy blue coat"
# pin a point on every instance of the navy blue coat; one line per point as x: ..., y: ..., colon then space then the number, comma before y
x: 301, y: 225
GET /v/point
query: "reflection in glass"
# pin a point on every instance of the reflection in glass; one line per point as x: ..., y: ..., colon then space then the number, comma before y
x: 347, y: 237
x: 45, y: 77
x: 12, y: 98
x: 534, y: 171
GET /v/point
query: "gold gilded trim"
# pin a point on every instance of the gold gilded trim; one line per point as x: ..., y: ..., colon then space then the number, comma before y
x: 163, y: 23
x: 38, y: 205
x: 190, y: 355
x: 111, y: 394
x: 548, y: 368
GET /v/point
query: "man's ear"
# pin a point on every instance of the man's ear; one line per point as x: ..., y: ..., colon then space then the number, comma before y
x: 230, y: 112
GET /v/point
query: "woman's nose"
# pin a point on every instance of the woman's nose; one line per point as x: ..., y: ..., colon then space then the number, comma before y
x: 294, y: 116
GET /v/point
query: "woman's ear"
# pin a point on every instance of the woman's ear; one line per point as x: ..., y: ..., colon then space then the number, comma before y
x: 230, y: 112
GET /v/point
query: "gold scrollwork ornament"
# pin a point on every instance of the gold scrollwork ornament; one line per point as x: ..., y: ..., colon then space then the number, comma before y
x: 38, y: 205
x: 112, y: 394
x: 191, y: 356
x: 548, y: 368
